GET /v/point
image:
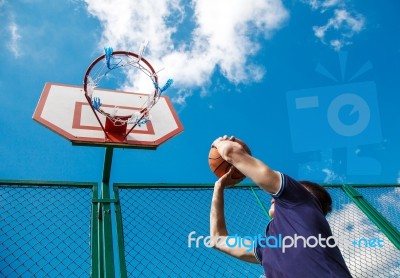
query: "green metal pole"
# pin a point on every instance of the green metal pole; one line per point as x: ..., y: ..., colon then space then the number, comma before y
x: 121, y: 244
x: 107, y: 239
x: 260, y: 203
x: 386, y: 227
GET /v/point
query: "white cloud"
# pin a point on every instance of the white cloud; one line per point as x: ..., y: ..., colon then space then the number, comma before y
x: 323, y: 5
x: 15, y: 37
x: 340, y: 28
x: 331, y: 177
x: 398, y: 178
x: 223, y: 37
x: 342, y: 23
x: 331, y: 3
x: 389, y: 202
x: 180, y: 97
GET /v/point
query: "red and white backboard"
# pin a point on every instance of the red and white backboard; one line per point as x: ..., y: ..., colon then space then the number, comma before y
x: 65, y: 110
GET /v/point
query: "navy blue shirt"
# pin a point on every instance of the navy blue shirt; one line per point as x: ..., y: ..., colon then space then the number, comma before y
x: 298, y: 213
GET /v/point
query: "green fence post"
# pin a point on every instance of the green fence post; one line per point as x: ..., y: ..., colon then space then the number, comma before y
x: 120, y: 234
x: 107, y: 250
x: 386, y: 227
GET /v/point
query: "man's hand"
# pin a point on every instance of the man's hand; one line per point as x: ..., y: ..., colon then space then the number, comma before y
x: 228, y: 146
x: 225, y: 142
x: 223, y: 138
x: 226, y: 181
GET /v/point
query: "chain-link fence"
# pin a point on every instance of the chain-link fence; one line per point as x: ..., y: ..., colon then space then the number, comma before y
x: 45, y: 230
x: 157, y: 223
x: 59, y: 230
x: 354, y: 231
x: 386, y: 200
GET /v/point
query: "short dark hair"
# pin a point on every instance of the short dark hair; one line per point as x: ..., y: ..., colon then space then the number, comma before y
x: 321, y: 194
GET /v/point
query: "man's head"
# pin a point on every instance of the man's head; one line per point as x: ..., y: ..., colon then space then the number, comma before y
x: 317, y: 191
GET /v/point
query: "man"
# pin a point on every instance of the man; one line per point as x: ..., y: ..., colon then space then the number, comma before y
x: 297, y: 210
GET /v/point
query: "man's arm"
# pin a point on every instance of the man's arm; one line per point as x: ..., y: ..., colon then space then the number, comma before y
x: 218, y: 230
x: 251, y: 167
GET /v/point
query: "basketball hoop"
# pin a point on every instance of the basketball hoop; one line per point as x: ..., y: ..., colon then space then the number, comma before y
x: 111, y: 70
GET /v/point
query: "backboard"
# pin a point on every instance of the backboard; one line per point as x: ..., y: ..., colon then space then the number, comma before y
x: 65, y: 110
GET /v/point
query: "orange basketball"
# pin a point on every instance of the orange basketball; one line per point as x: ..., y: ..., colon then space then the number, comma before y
x: 219, y: 166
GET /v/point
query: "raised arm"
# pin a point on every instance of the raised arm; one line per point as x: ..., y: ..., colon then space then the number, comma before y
x: 218, y: 230
x: 253, y: 168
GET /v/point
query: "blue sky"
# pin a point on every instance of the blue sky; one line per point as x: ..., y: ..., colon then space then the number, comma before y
x: 311, y: 86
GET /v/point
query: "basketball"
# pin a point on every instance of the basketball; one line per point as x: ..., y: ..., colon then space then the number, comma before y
x: 219, y: 166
